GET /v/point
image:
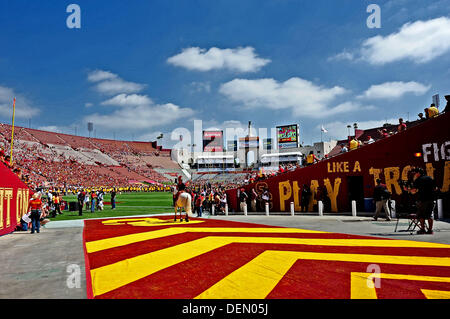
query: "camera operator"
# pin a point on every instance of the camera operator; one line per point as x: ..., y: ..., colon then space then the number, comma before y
x: 425, y: 188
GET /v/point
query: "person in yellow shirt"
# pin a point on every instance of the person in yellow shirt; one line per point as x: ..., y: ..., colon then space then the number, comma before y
x: 311, y: 158
x: 354, y: 144
x: 433, y: 111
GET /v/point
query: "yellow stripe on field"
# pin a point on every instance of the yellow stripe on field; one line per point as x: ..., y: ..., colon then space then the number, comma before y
x: 436, y: 294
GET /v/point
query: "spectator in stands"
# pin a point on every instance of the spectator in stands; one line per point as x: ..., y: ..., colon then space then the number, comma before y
x: 306, y: 195
x: 421, y: 118
x: 354, y: 144
x: 433, y: 111
x: 344, y: 148
x: 425, y: 188
x: 427, y: 115
x: 370, y: 140
x: 311, y: 158
x: 384, y: 133
x: 401, y: 125
x: 381, y: 196
x: 35, y: 205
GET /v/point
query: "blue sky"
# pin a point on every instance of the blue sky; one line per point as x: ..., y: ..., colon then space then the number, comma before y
x: 139, y: 68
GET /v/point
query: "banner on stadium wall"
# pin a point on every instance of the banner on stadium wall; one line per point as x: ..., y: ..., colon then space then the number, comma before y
x: 352, y: 175
x: 212, y: 141
x: 14, y: 197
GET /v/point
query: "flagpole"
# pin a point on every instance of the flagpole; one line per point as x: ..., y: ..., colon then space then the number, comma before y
x: 12, y: 131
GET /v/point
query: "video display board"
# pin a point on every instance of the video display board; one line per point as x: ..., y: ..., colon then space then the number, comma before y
x: 212, y: 141
x: 287, y: 136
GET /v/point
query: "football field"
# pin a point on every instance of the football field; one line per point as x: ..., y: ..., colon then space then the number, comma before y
x: 127, y: 204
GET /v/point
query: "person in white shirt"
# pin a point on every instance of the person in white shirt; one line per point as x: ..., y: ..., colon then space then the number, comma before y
x: 370, y: 140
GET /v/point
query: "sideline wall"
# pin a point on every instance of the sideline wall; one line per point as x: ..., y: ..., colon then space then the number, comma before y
x: 14, y: 197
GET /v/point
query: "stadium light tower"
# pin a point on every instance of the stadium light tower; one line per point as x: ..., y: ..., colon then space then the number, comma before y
x: 90, y: 127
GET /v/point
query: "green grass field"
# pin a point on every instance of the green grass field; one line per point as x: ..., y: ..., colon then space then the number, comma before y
x: 127, y: 204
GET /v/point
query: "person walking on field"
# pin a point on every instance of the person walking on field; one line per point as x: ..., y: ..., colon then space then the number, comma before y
x: 381, y: 196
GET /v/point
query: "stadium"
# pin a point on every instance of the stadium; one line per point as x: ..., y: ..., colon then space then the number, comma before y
x: 364, y: 211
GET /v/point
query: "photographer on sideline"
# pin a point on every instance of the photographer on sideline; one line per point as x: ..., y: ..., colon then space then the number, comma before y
x: 425, y: 188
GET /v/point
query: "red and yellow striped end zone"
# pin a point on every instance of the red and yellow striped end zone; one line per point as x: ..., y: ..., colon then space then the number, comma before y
x: 157, y: 258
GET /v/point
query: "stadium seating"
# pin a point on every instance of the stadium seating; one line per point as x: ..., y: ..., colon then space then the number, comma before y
x: 56, y: 159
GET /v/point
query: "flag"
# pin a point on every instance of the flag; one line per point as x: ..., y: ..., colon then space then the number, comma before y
x: 323, y: 129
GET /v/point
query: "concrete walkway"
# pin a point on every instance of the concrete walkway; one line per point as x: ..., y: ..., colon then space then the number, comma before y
x: 45, y: 265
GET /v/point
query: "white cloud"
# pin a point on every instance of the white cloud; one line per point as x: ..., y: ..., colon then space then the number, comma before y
x: 420, y: 42
x: 347, y: 107
x: 239, y: 59
x: 23, y: 106
x: 303, y: 97
x: 100, y: 75
x: 344, y: 55
x: 109, y: 83
x: 394, y: 90
x: 115, y: 86
x: 140, y: 118
x: 88, y: 104
x: 128, y: 100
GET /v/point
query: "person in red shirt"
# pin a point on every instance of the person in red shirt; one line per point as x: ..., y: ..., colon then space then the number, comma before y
x: 35, y: 205
x: 401, y: 126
